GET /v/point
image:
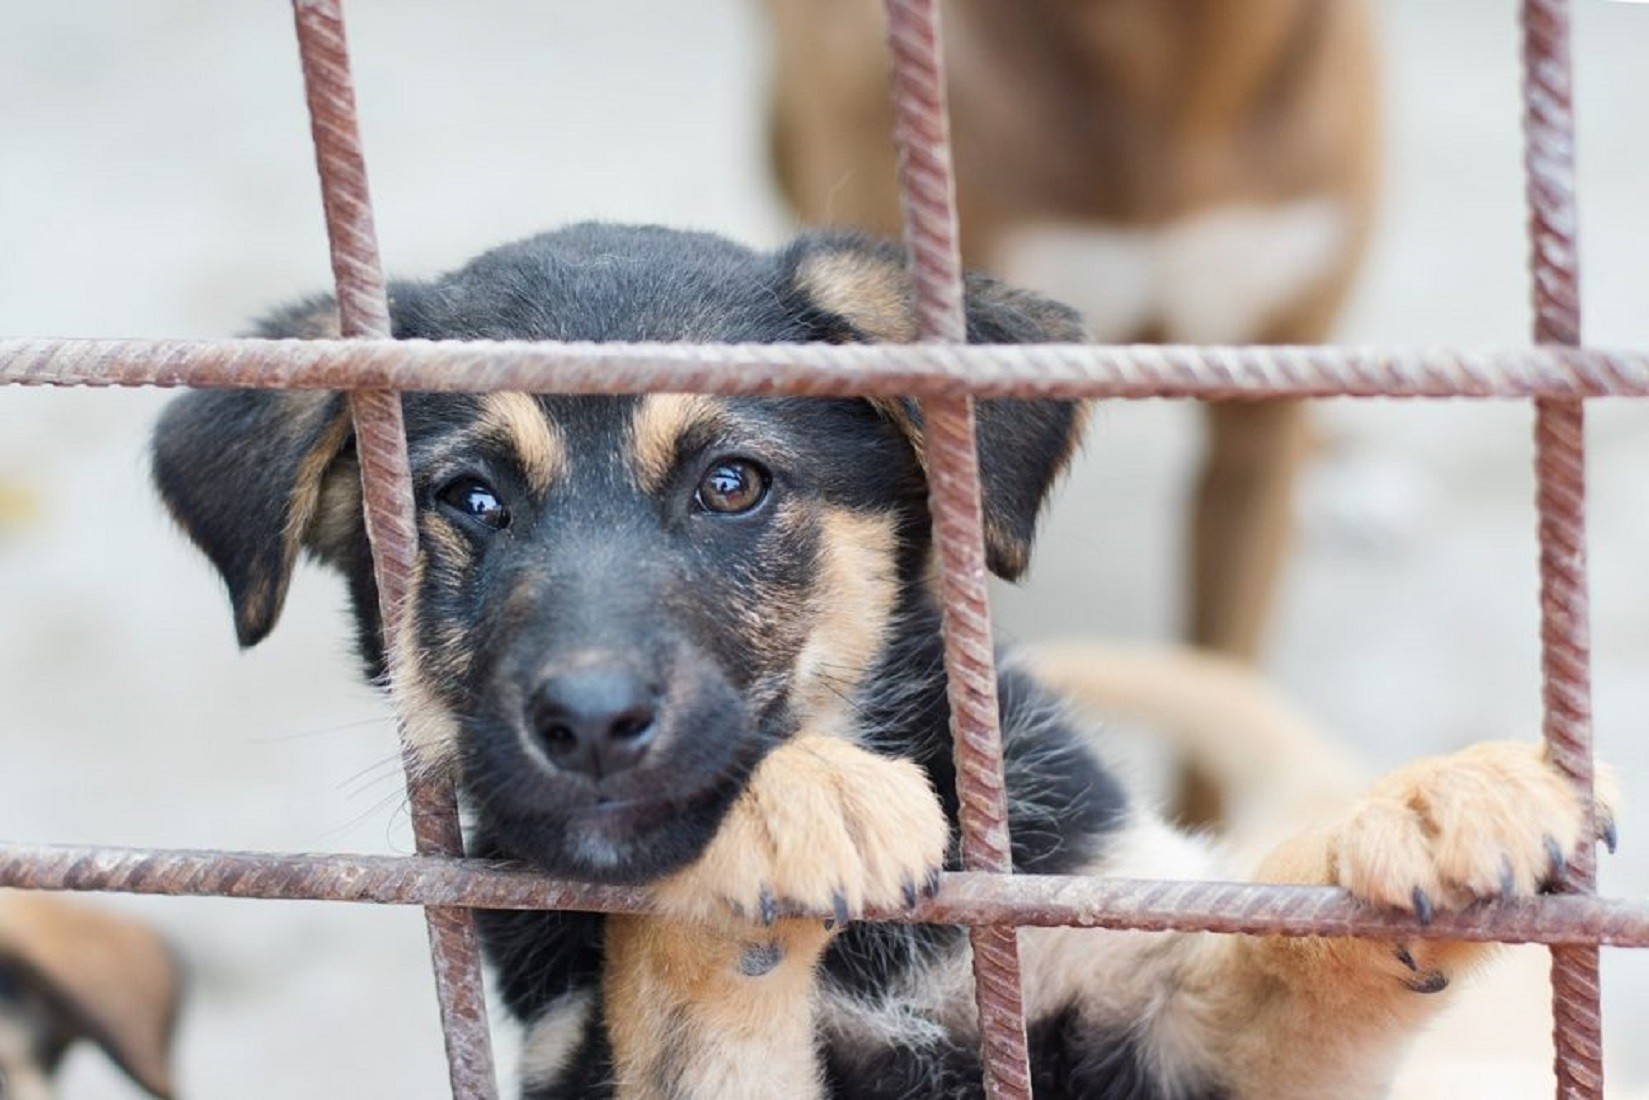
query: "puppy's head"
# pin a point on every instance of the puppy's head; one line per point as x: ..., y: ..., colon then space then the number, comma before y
x: 621, y: 603
x: 70, y: 972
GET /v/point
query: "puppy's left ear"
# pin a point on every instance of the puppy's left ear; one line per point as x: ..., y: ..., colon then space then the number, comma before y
x: 243, y: 471
x: 849, y: 288
x: 108, y: 977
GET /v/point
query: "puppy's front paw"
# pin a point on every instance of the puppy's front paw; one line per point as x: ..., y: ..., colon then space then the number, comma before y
x: 1493, y: 820
x: 823, y: 825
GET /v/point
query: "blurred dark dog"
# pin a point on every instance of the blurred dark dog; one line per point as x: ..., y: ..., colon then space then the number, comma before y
x: 70, y: 972
x: 693, y: 642
x: 1194, y: 171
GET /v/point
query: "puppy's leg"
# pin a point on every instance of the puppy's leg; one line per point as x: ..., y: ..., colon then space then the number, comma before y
x: 716, y: 999
x: 1309, y: 1017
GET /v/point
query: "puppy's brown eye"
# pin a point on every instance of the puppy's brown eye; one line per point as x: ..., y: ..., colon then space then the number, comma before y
x: 731, y: 487
x: 474, y: 500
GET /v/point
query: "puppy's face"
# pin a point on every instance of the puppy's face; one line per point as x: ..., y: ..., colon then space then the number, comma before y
x: 620, y: 603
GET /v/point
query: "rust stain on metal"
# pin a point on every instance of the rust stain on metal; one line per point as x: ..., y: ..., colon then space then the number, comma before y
x: 972, y: 898
x: 387, y: 503
x: 927, y: 197
x: 1560, y: 469
x: 875, y: 370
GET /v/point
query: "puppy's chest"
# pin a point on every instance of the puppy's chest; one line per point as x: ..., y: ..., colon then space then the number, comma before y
x: 1220, y: 275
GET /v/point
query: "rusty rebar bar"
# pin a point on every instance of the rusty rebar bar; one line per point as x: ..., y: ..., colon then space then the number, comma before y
x: 963, y: 898
x: 387, y: 506
x: 927, y: 197
x: 1560, y: 458
x: 875, y: 370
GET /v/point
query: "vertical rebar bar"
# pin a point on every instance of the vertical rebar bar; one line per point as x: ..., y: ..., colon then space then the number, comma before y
x: 928, y: 200
x: 1560, y: 456
x: 387, y: 504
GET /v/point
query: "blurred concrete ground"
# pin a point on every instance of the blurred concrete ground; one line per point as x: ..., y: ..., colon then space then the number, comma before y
x: 155, y: 179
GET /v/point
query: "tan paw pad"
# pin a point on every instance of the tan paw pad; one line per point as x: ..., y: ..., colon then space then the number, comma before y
x: 1493, y: 820
x: 823, y: 826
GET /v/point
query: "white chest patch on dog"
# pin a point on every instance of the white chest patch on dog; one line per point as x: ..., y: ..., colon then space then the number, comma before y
x: 552, y: 1039
x: 1215, y: 277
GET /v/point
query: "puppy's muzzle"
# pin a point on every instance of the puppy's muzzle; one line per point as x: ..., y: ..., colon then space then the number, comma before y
x: 596, y: 719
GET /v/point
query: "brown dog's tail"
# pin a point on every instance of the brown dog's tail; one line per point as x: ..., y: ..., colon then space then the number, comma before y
x: 1272, y: 769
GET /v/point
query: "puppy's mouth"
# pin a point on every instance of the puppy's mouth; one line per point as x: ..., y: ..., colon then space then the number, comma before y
x: 612, y: 838
x: 633, y: 826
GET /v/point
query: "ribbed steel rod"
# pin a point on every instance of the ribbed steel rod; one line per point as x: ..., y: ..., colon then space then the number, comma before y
x: 927, y: 196
x: 391, y: 525
x: 1560, y: 468
x: 963, y: 898
x: 879, y: 370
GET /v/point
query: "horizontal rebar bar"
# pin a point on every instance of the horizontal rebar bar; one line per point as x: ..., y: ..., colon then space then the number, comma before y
x: 963, y: 898
x: 882, y: 370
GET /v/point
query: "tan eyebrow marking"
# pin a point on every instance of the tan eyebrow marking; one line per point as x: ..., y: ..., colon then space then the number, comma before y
x: 656, y: 429
x: 519, y: 420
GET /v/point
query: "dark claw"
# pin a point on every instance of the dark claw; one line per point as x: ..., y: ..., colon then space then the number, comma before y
x: 1422, y: 905
x: 1508, y: 877
x: 1407, y: 959
x: 769, y: 907
x: 838, y: 905
x: 1610, y: 836
x: 1434, y: 982
x: 910, y: 894
x: 1554, y: 853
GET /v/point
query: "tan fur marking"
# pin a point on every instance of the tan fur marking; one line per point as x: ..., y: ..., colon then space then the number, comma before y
x: 454, y: 547
x: 853, y: 599
x: 821, y: 818
x: 518, y: 418
x: 659, y: 423
x: 686, y: 1023
x: 868, y: 292
x: 338, y: 512
x: 431, y: 729
x: 263, y: 601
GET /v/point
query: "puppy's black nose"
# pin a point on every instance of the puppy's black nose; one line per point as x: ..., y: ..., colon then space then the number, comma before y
x: 596, y: 721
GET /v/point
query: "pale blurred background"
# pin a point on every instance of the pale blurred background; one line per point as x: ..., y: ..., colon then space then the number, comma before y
x: 156, y: 180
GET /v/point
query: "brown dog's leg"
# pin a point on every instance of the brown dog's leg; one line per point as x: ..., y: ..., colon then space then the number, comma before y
x: 1244, y: 521
x: 1311, y: 1017
x: 716, y: 998
x: 1242, y: 527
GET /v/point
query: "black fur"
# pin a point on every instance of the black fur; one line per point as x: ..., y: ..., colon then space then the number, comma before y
x: 713, y: 610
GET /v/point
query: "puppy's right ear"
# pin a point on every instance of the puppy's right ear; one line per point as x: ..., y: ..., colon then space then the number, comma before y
x: 242, y: 471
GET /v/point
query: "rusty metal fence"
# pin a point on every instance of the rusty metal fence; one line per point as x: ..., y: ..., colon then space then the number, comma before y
x: 1558, y: 374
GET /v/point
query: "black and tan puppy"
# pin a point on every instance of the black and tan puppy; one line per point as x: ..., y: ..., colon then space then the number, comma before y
x: 691, y: 641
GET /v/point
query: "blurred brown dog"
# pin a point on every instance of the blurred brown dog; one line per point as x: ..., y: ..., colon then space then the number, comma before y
x: 70, y: 972
x: 1201, y: 171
